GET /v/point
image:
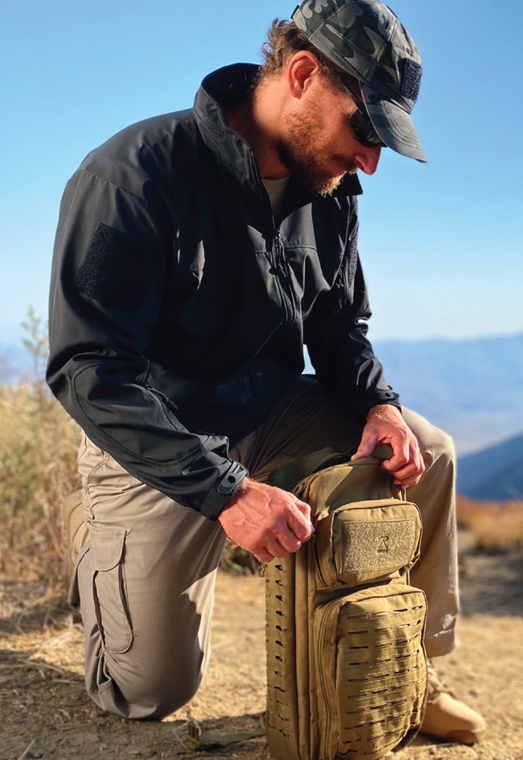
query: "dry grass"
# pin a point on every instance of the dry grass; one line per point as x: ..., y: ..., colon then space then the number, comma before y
x: 37, y: 470
x: 495, y: 525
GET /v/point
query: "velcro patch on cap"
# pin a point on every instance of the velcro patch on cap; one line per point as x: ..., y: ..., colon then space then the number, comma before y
x: 116, y: 270
x: 411, y: 80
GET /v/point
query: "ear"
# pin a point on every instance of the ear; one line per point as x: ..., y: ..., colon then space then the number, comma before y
x: 303, y: 70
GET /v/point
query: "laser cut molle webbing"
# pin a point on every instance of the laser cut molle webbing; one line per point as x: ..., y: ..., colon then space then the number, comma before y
x: 380, y: 671
x: 282, y: 709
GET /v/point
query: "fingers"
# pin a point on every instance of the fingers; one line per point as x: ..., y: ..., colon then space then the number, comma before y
x: 266, y: 520
x: 386, y: 425
x: 402, y: 456
x: 278, y: 544
x: 290, y: 531
x: 284, y: 543
x: 263, y: 555
x: 406, y: 469
x: 406, y: 477
x: 303, y: 507
x: 299, y: 522
x: 367, y: 445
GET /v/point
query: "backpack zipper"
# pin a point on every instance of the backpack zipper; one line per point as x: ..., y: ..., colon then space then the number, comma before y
x: 328, y: 614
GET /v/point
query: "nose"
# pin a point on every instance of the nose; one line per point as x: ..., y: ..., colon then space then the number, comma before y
x: 367, y: 158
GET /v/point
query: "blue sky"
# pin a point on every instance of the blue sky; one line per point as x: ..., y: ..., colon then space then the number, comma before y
x: 441, y: 243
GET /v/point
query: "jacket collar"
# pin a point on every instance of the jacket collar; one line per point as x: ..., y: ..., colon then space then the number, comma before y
x: 231, y: 84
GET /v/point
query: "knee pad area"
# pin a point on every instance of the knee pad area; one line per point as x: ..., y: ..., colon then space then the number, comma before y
x: 147, y: 694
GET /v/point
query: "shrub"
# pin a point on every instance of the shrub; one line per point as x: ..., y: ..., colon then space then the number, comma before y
x: 495, y: 525
x: 37, y: 469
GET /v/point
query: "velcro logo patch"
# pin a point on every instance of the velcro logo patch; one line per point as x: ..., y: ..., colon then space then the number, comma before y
x: 383, y: 547
x: 411, y: 80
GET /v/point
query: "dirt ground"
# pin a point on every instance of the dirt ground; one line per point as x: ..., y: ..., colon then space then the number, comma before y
x: 45, y: 713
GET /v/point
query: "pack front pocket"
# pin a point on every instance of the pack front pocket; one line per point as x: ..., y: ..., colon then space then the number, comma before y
x: 108, y: 549
x: 366, y: 541
x: 370, y: 670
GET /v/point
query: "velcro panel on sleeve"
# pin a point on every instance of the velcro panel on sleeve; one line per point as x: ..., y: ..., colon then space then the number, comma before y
x: 116, y: 270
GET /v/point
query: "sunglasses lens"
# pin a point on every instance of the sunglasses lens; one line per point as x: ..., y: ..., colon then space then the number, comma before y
x: 363, y: 130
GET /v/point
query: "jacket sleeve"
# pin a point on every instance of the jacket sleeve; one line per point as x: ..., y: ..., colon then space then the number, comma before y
x: 109, y: 265
x: 336, y: 336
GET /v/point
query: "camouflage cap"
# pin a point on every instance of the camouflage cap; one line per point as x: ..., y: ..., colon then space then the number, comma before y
x: 366, y: 39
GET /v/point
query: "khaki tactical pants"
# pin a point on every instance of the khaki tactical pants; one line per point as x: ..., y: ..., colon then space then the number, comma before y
x: 146, y: 575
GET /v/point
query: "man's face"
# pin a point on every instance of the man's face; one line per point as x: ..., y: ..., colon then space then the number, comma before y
x: 317, y: 143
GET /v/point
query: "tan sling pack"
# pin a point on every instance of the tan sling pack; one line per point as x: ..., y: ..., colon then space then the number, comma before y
x: 345, y: 657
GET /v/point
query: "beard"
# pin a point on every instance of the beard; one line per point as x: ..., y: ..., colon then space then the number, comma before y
x: 300, y: 151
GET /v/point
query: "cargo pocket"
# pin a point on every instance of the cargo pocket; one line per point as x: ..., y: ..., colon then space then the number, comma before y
x: 108, y: 550
x: 370, y: 664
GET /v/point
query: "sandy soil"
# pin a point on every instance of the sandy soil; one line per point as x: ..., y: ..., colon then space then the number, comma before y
x: 45, y: 713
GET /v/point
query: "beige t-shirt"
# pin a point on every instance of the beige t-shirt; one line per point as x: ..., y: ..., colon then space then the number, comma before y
x: 276, y: 190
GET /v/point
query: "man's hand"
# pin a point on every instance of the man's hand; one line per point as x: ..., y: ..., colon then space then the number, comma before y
x: 266, y: 521
x: 386, y: 425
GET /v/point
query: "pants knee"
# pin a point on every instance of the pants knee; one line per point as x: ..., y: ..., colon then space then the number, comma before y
x: 435, y: 444
x: 144, y: 695
x: 163, y: 692
x: 442, y: 449
x: 166, y: 698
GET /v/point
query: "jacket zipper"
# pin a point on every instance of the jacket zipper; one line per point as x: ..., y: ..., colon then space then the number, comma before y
x: 280, y: 263
x: 277, y: 263
x: 162, y: 401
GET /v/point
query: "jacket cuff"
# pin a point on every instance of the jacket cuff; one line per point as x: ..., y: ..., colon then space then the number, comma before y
x: 219, y: 496
x: 364, y: 405
x: 381, y: 403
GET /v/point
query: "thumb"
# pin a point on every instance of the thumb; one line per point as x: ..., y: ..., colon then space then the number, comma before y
x: 365, y: 449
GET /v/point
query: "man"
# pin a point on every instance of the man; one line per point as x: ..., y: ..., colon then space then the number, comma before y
x: 196, y: 254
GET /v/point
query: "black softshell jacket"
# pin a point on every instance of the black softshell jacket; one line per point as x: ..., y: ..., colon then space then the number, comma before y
x: 179, y: 309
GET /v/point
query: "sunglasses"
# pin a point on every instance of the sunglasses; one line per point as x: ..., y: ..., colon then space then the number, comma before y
x: 361, y: 124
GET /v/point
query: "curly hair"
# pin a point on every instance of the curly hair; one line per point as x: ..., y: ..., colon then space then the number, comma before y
x: 284, y: 39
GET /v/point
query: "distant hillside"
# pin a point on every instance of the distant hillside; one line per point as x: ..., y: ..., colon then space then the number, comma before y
x: 495, y: 473
x: 471, y: 388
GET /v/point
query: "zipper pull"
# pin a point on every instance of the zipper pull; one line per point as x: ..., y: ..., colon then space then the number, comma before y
x: 167, y: 401
x: 278, y: 252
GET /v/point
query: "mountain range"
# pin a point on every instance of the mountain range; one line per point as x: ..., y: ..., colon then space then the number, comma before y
x: 473, y: 389
x: 496, y: 473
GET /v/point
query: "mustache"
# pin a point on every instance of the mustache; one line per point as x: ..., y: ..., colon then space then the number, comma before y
x: 349, y: 166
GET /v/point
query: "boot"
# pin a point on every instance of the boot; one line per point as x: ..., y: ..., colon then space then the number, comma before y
x: 447, y: 717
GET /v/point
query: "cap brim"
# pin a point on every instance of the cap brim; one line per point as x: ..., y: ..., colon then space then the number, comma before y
x: 393, y: 124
